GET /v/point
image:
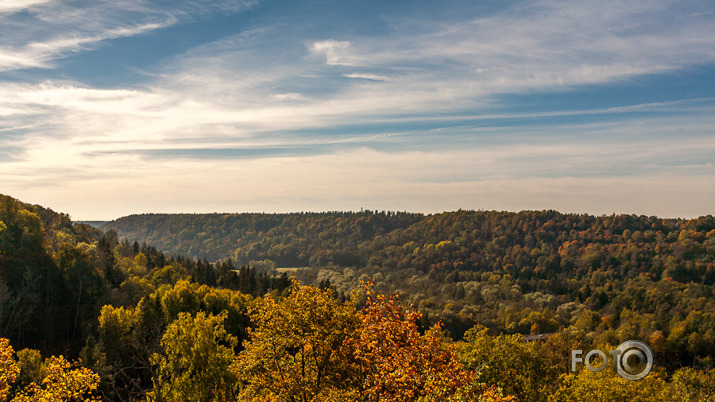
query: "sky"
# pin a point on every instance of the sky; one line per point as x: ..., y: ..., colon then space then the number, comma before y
x: 110, y: 108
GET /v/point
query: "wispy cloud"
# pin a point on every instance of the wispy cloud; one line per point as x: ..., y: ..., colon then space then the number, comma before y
x: 372, y: 77
x: 338, y: 120
x: 539, y: 46
x: 336, y: 52
x: 54, y: 30
x: 290, y: 96
x: 12, y: 6
x: 40, y: 54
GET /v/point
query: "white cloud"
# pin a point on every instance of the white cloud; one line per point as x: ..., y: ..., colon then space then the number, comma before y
x: 291, y: 96
x: 11, y: 59
x: 372, y: 77
x: 454, y: 68
x: 335, y: 52
x: 39, y: 54
x: 547, y: 45
x: 267, y: 89
x: 12, y: 6
x: 54, y: 30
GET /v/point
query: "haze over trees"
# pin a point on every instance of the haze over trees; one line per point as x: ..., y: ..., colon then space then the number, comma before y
x: 402, y: 307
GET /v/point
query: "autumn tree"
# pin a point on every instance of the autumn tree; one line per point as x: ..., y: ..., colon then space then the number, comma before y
x: 399, y: 364
x: 195, y: 364
x: 690, y: 385
x: 521, y: 368
x: 296, y: 349
x: 63, y: 381
x: 606, y: 385
x: 309, y: 347
x: 31, y: 367
x: 121, y: 352
x: 58, y: 380
x: 8, y: 368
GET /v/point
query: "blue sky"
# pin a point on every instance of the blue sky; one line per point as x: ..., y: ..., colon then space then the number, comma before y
x: 109, y: 108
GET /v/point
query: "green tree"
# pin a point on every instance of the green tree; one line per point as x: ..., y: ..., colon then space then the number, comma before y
x: 196, y: 359
x: 30, y: 363
x: 519, y: 367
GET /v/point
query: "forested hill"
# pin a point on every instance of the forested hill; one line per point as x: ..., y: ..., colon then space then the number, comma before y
x: 56, y: 275
x: 297, y: 239
x: 613, y: 277
x: 135, y: 315
x: 45, y: 286
x: 531, y: 242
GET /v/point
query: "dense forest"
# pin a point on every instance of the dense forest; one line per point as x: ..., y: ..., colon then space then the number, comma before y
x: 530, y: 272
x: 291, y: 240
x: 402, y: 307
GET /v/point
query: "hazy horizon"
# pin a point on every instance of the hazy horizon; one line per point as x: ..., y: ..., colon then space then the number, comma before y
x: 114, y: 108
x: 364, y: 210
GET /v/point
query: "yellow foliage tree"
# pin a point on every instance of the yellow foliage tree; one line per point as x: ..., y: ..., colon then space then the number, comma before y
x: 690, y: 385
x: 8, y: 368
x: 296, y: 349
x: 309, y: 347
x: 63, y: 382
x: 606, y: 385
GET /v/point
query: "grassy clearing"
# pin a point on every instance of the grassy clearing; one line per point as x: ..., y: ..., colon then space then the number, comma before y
x: 290, y: 269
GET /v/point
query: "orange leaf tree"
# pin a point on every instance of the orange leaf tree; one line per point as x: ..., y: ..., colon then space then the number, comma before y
x: 400, y: 364
x: 309, y: 347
